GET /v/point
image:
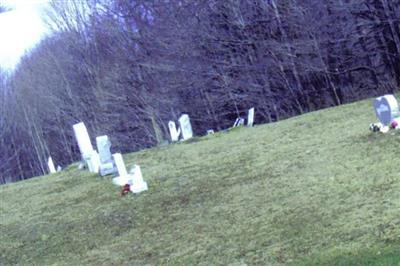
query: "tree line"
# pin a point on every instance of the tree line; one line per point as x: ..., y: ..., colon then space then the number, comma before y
x: 126, y: 68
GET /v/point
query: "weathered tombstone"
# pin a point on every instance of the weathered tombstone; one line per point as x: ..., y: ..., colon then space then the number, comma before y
x: 50, y: 164
x: 210, y: 131
x: 106, y: 160
x: 89, y: 155
x: 173, y: 131
x: 250, y: 117
x: 137, y: 184
x: 186, y: 127
x: 386, y: 109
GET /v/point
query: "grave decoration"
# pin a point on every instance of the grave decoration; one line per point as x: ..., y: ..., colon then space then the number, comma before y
x: 125, y: 190
x: 375, y: 127
x: 186, y: 127
x: 250, y: 117
x: 89, y: 155
x: 134, y: 179
x: 388, y: 112
x: 50, y: 164
x: 395, y: 124
x: 107, y: 166
x: 173, y: 131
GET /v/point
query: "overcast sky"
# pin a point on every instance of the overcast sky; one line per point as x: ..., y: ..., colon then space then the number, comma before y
x: 20, y: 29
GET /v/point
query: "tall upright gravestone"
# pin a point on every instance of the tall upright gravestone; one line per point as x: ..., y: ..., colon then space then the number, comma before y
x: 186, y: 127
x: 106, y: 160
x: 250, y: 117
x: 89, y: 155
x: 386, y: 109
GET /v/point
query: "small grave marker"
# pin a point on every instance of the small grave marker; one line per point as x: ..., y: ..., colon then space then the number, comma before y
x: 137, y: 184
x: 173, y: 131
x: 50, y: 164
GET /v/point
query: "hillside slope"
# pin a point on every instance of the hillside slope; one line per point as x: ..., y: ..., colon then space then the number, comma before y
x: 315, y: 189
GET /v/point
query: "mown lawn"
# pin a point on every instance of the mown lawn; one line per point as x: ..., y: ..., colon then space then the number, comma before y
x: 317, y: 189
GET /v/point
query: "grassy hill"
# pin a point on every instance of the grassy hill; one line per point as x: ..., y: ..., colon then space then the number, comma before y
x: 317, y: 189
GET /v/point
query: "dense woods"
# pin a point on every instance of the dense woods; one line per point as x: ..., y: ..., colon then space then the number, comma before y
x: 126, y: 68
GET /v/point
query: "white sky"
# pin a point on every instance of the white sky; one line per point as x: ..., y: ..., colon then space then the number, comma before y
x: 20, y: 29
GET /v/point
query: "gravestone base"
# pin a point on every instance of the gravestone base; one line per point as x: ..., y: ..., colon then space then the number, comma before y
x: 138, y: 187
x: 107, y: 169
x: 92, y: 161
x: 121, y: 180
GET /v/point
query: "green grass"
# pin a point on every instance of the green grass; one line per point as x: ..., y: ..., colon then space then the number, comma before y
x: 317, y: 189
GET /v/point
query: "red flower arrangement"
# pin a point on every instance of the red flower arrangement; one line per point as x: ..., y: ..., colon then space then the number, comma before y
x: 125, y: 189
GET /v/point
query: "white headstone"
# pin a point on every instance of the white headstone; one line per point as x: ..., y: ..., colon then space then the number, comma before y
x: 50, y: 164
x: 59, y: 168
x: 90, y: 156
x: 173, y: 131
x: 210, y: 131
x: 186, y: 127
x: 386, y: 109
x: 137, y: 184
x: 250, y: 117
x: 83, y: 139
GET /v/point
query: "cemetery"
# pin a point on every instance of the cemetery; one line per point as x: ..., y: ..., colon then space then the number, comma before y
x: 253, y: 196
x: 139, y: 132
